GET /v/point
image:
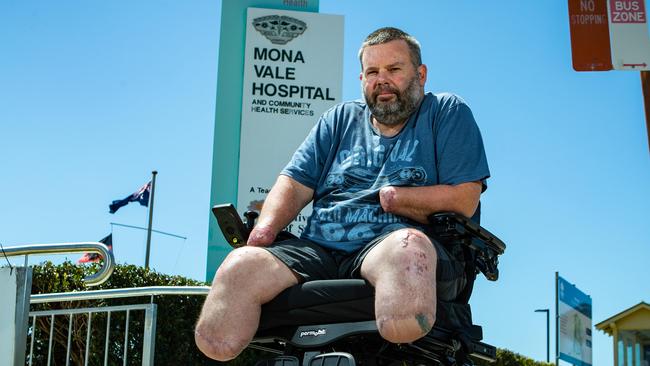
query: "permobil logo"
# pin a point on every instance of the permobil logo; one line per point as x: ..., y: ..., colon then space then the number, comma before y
x: 279, y: 29
x: 313, y: 333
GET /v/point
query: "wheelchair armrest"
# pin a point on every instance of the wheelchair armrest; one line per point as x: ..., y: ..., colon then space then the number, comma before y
x: 453, y: 227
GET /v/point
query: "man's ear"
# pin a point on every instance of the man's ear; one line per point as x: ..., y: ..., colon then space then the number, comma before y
x: 361, y: 76
x: 422, y: 73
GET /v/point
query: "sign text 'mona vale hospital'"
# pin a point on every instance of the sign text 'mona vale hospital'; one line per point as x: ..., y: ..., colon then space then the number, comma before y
x: 274, y: 87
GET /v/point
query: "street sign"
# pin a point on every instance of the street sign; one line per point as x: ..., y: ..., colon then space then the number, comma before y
x: 590, y: 45
x: 573, y: 310
x: 628, y: 24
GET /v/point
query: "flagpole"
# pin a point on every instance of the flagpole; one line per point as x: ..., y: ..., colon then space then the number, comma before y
x: 153, y: 190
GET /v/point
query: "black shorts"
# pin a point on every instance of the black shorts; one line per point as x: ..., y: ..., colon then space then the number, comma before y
x: 313, y: 262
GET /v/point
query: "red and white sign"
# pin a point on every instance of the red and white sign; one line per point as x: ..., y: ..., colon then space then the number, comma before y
x: 627, y: 11
x: 628, y: 30
x: 589, y: 35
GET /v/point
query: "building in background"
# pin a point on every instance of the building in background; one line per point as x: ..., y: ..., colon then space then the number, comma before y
x: 631, y: 331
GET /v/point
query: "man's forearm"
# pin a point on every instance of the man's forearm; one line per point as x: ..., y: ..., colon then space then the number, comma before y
x: 281, y: 206
x: 417, y: 203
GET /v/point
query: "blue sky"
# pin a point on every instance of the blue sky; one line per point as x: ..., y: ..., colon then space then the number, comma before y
x: 94, y: 96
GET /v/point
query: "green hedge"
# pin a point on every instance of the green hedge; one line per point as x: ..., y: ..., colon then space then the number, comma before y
x: 174, y: 328
x: 509, y: 358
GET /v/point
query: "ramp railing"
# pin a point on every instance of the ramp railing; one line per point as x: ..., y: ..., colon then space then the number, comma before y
x: 59, y: 248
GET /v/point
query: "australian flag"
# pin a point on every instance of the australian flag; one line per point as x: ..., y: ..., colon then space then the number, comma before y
x: 141, y: 195
x: 94, y: 257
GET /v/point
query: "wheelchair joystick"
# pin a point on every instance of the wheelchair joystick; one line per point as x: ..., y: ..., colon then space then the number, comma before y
x: 250, y: 216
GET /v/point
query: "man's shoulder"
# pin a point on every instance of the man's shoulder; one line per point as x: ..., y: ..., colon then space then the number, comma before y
x: 443, y: 101
x: 345, y: 111
x: 348, y: 106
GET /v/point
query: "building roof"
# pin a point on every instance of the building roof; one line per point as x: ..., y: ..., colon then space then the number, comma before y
x: 606, y: 325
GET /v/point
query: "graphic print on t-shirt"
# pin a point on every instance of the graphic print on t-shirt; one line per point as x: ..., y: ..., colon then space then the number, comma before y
x: 351, y: 210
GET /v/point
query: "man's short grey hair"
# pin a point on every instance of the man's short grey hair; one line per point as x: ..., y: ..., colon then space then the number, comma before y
x: 388, y: 34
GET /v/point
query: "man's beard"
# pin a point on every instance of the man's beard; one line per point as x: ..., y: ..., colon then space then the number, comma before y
x: 395, y: 112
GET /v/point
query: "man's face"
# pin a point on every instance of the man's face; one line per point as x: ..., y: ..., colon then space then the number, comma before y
x: 391, y: 85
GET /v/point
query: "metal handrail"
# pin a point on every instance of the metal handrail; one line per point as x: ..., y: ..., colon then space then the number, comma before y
x: 58, y: 248
x: 120, y: 293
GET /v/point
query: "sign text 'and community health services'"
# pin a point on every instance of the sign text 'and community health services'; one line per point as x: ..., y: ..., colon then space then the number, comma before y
x: 292, y: 74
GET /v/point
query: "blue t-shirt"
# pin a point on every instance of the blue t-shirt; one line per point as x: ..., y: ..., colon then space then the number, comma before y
x: 346, y: 161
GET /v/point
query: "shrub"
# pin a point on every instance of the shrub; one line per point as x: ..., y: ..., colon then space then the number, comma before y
x: 509, y: 358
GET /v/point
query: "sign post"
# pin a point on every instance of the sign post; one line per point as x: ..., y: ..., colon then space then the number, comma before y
x: 15, y: 287
x: 645, y: 86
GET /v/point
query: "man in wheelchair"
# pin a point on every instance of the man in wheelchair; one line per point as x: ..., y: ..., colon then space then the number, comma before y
x: 376, y: 170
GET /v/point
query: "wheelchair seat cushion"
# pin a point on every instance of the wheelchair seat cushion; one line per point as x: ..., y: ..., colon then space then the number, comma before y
x: 343, y: 301
x: 320, y: 302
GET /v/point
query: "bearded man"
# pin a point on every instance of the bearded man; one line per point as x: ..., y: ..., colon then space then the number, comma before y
x: 375, y: 170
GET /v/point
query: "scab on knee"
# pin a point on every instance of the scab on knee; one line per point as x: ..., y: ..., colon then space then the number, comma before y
x: 413, y: 250
x: 415, y: 237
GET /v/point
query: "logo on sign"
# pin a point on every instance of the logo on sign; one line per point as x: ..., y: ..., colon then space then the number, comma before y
x: 627, y: 11
x: 279, y: 29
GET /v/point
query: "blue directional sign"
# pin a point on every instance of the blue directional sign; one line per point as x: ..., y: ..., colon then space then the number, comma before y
x: 574, y: 328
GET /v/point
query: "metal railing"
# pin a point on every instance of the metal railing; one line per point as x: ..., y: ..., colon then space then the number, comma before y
x: 58, y: 248
x: 120, y: 293
x: 149, y: 334
x: 148, y: 341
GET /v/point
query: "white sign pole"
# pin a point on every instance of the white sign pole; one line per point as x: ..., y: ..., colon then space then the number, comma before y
x: 292, y: 74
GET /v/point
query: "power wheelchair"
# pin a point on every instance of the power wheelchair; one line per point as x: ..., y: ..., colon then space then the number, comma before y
x: 331, y: 322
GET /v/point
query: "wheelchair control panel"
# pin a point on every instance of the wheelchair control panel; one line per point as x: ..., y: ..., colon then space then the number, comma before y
x: 233, y: 229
